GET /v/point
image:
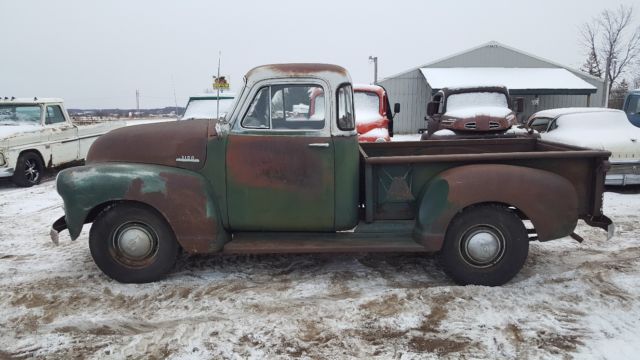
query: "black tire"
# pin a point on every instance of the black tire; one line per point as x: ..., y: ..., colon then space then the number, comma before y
x: 484, y: 245
x: 29, y: 170
x: 111, y: 235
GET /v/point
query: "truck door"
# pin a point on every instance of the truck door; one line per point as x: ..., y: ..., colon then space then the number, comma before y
x: 280, y: 161
x: 63, y: 136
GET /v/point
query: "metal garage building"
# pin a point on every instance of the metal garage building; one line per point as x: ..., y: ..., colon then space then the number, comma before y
x: 542, y: 83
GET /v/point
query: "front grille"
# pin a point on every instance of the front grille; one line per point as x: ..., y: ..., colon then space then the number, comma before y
x: 470, y: 125
x: 493, y: 125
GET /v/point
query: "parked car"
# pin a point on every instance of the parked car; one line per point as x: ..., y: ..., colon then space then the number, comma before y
x: 276, y: 178
x: 595, y: 128
x: 472, y: 111
x: 36, y: 134
x: 632, y: 106
x: 374, y: 118
x: 207, y: 106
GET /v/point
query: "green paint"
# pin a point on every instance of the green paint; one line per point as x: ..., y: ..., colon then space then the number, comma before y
x: 85, y: 187
x: 347, y: 182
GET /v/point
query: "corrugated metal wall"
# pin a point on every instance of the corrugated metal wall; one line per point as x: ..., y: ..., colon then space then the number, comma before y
x: 550, y: 102
x: 412, y: 92
x: 492, y: 56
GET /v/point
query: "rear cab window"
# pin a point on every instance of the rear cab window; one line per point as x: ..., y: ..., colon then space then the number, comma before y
x: 346, y: 118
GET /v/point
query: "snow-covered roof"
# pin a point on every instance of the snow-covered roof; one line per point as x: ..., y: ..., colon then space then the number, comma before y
x: 530, y: 79
x: 30, y: 100
x: 553, y: 113
x: 366, y: 87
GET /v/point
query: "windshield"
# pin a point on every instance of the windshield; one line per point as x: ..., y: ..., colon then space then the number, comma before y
x: 13, y: 114
x: 476, y: 99
x: 206, y: 108
x: 367, y: 105
x: 633, y: 105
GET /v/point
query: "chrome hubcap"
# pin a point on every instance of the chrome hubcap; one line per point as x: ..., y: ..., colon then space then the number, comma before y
x: 135, y: 241
x: 482, y: 246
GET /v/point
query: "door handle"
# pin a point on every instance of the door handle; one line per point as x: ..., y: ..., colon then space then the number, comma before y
x: 319, y: 145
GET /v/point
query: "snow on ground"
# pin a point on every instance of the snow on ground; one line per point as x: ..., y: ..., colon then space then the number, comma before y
x: 570, y: 300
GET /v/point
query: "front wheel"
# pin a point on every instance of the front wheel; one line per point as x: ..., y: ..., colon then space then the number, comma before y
x: 484, y: 245
x: 29, y: 170
x: 132, y: 243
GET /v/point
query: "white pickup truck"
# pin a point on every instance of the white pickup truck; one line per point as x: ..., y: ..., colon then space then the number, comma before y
x: 36, y: 134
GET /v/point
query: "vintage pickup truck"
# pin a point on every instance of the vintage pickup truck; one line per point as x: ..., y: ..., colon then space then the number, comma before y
x: 268, y: 180
x: 37, y: 133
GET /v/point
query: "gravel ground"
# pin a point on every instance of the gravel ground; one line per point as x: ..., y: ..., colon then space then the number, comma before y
x: 571, y: 300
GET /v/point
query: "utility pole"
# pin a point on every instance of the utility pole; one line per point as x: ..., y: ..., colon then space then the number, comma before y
x: 374, y: 59
x: 138, y: 100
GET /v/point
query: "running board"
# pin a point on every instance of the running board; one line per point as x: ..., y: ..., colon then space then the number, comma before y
x: 266, y: 243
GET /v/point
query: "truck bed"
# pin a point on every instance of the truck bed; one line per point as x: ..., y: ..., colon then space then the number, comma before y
x: 396, y: 173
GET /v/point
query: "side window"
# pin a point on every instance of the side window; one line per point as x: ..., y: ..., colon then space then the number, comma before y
x: 346, y: 119
x: 286, y: 107
x: 540, y: 124
x: 54, y: 115
x: 257, y: 117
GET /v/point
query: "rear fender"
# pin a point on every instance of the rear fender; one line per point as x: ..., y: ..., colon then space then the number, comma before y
x: 547, y: 199
x: 181, y: 196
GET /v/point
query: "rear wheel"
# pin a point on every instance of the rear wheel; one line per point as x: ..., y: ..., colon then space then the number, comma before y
x: 484, y: 245
x: 132, y: 243
x: 29, y: 170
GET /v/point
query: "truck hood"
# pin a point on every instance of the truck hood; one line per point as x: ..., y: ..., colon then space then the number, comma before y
x: 176, y: 143
x: 479, y: 111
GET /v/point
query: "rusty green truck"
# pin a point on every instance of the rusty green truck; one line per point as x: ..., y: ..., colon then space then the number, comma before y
x: 274, y: 177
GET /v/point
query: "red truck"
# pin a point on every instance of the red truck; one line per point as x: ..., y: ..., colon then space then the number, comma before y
x: 472, y: 111
x: 374, y: 118
x: 276, y: 177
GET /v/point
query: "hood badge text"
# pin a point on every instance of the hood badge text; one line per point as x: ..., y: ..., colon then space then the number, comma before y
x: 187, y: 158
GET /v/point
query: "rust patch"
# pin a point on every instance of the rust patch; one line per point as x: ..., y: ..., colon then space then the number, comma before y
x: 277, y: 162
x: 181, y: 200
x: 298, y: 69
x: 176, y: 143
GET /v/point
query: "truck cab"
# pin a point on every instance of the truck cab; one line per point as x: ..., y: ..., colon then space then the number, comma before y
x: 472, y: 110
x: 374, y: 116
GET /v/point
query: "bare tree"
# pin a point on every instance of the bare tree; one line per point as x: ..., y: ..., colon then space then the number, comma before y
x: 611, y: 39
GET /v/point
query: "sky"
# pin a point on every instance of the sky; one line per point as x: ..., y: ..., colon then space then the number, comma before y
x: 96, y: 54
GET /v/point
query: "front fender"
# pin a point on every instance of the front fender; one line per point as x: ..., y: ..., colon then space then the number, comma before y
x: 547, y: 199
x: 181, y: 196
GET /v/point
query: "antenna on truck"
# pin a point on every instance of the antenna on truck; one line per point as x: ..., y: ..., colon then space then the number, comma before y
x: 218, y: 88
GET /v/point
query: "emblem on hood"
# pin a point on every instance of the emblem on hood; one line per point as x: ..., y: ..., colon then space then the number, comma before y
x: 187, y: 158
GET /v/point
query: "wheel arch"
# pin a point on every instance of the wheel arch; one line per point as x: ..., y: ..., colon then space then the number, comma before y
x: 182, y: 197
x: 548, y: 200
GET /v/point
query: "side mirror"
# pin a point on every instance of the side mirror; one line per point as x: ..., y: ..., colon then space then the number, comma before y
x: 432, y: 108
x: 518, y: 105
x: 396, y: 108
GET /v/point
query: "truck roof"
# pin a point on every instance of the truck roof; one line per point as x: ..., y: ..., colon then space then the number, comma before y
x: 333, y: 73
x: 33, y: 100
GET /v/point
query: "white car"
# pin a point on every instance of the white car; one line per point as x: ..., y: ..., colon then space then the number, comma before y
x: 208, y: 106
x: 595, y: 128
x: 36, y: 134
